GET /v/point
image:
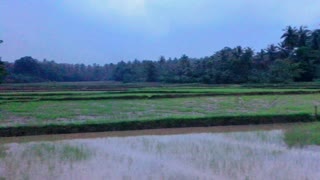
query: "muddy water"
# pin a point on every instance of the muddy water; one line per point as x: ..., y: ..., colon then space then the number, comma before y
x: 189, y: 153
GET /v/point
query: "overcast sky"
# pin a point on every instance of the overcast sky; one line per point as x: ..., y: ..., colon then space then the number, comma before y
x: 105, y: 31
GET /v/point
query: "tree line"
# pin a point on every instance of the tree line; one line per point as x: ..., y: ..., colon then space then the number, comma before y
x: 295, y: 58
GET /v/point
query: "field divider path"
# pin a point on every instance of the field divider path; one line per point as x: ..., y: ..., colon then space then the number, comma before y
x: 25, y: 130
x: 152, y: 96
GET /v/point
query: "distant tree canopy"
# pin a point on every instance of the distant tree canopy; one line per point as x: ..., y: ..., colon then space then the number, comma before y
x: 2, y: 68
x: 295, y: 58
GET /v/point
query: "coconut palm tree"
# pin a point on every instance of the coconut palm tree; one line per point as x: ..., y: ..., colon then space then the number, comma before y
x: 2, y: 68
x: 303, y: 36
x: 315, y: 39
x: 272, y: 52
x: 290, y: 38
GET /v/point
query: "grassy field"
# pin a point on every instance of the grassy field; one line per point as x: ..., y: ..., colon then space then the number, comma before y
x: 153, y: 87
x: 140, y: 93
x: 98, y: 102
x: 48, y: 112
x: 114, y: 86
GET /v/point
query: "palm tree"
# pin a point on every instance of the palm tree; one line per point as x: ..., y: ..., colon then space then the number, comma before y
x: 237, y: 52
x: 2, y: 68
x: 272, y: 51
x: 290, y: 37
x: 315, y: 39
x: 261, y: 55
x: 303, y: 35
x: 0, y: 57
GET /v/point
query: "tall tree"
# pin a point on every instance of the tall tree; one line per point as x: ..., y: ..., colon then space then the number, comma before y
x: 184, y: 69
x: 315, y: 40
x: 27, y: 66
x: 296, y: 57
x: 303, y: 35
x: 150, y: 70
x: 272, y: 52
x: 2, y: 67
x: 290, y: 37
x: 283, y: 71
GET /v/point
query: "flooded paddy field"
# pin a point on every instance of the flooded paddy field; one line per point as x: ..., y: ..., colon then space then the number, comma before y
x: 189, y: 153
x: 228, y: 152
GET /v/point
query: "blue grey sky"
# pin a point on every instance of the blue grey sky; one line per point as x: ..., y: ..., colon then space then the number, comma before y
x: 105, y: 31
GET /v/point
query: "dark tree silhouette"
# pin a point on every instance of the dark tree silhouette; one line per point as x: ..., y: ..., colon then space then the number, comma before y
x: 295, y: 58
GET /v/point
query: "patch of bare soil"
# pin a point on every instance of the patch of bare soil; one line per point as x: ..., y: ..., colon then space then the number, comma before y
x: 13, y: 120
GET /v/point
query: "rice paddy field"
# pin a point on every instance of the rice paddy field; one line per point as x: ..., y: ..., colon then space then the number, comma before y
x: 61, y: 103
x: 289, y: 151
x: 255, y: 154
x: 82, y: 111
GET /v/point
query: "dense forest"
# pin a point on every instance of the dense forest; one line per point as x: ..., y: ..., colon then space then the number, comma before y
x: 295, y: 58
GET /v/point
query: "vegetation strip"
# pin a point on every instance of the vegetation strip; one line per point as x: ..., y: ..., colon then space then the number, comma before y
x: 155, y: 96
x: 153, y: 124
x: 308, y: 134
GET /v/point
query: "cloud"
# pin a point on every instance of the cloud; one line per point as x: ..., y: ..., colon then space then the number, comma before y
x: 290, y: 12
x: 159, y: 17
x: 123, y: 8
x: 128, y: 8
x: 132, y: 15
x: 152, y: 16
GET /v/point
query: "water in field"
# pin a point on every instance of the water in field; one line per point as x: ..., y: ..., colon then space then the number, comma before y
x: 193, y: 153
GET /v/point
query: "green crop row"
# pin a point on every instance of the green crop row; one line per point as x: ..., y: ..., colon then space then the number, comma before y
x: 151, y: 124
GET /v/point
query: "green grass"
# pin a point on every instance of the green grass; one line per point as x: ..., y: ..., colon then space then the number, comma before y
x: 114, y: 90
x: 46, y: 112
x: 143, y: 93
x: 64, y: 152
x: 109, y: 102
x: 307, y: 134
x: 155, y: 87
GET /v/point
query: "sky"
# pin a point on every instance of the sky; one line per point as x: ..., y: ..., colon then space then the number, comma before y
x: 108, y: 31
